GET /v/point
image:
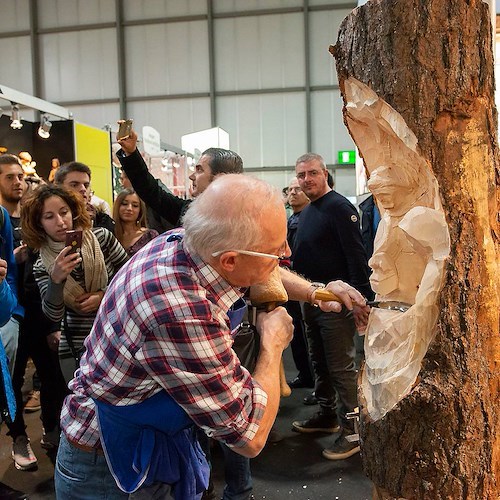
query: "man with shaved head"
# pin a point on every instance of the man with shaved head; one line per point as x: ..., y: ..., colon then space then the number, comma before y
x: 159, y: 358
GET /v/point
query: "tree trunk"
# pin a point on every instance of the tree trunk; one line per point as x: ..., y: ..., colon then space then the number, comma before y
x: 430, y: 63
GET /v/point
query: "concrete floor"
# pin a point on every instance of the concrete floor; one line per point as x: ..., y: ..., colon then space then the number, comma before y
x: 291, y: 468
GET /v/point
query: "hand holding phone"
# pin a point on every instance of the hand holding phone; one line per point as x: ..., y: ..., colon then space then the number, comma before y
x: 74, y: 240
x: 124, y: 128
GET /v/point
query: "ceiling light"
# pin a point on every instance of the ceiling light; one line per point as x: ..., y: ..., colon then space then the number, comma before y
x: 44, y: 128
x: 15, y: 117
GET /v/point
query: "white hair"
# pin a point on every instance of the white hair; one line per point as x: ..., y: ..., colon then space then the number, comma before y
x: 227, y: 215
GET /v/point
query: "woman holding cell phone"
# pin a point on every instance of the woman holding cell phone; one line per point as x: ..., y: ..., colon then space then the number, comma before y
x: 75, y: 265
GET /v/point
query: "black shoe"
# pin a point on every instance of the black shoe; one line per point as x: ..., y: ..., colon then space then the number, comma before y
x: 8, y: 493
x: 310, y: 399
x: 299, y: 383
x: 274, y: 436
x: 346, y: 445
x: 319, y: 422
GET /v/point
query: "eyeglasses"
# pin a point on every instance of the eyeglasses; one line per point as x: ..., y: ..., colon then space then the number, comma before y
x: 253, y: 254
x: 294, y: 190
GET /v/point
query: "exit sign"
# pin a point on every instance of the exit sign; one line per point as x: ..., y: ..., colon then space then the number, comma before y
x: 346, y: 157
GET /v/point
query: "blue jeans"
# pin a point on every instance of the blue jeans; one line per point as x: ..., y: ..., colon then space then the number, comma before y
x: 237, y: 475
x: 9, y: 334
x: 331, y: 347
x: 82, y: 475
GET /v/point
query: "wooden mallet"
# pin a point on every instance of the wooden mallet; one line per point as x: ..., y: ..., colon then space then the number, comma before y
x: 267, y: 296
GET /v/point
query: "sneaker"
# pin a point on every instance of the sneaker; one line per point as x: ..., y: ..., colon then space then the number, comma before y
x: 22, y: 454
x: 33, y: 403
x: 50, y: 439
x: 274, y: 436
x: 345, y: 445
x: 310, y: 399
x: 8, y: 493
x: 319, y: 422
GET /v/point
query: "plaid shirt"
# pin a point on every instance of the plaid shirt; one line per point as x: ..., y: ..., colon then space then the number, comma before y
x: 163, y: 325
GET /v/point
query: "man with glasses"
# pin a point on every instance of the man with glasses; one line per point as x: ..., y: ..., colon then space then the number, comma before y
x: 298, y: 201
x: 159, y: 357
x: 328, y: 246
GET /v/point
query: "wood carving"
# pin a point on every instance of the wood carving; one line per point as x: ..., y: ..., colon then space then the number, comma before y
x: 418, y: 88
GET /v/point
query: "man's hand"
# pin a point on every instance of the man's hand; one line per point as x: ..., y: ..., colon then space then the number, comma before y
x: 89, y: 302
x: 65, y: 262
x: 3, y: 270
x: 53, y: 340
x: 129, y: 143
x: 361, y: 315
x: 348, y: 295
x: 275, y: 329
x: 21, y: 254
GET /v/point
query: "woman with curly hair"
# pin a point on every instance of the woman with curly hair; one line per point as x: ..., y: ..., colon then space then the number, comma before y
x: 72, y: 284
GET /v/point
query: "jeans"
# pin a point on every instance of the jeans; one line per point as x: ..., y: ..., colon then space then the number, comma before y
x: 237, y: 475
x: 299, y: 343
x: 33, y: 343
x: 331, y: 347
x: 83, y: 475
x: 9, y: 334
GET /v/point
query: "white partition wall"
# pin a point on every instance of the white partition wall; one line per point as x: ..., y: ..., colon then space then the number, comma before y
x: 259, y: 69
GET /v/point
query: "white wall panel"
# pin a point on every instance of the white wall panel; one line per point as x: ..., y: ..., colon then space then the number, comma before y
x: 14, y: 15
x: 345, y: 181
x: 220, y: 6
x: 167, y: 59
x: 278, y: 179
x: 258, y: 52
x: 329, y: 134
x: 314, y: 3
x: 79, y: 65
x: 57, y: 13
x: 148, y: 9
x: 97, y: 115
x: 266, y: 130
x: 323, y: 29
x: 172, y: 118
x: 16, y: 71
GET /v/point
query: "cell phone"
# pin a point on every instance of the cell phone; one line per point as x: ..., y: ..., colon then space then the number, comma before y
x: 74, y: 240
x: 124, y: 128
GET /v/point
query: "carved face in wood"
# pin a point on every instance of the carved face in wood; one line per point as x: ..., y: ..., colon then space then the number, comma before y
x: 410, y: 248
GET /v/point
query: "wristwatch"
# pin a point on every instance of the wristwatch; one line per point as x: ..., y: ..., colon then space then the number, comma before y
x: 312, y: 288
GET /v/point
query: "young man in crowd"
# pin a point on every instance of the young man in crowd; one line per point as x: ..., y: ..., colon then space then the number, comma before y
x: 77, y: 176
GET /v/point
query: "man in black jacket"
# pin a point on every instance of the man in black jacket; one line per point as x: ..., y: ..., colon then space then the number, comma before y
x: 328, y: 247
x: 212, y: 162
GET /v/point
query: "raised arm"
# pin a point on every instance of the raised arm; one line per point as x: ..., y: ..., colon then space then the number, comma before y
x: 165, y: 204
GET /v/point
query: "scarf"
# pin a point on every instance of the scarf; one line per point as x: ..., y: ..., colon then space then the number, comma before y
x: 94, y: 267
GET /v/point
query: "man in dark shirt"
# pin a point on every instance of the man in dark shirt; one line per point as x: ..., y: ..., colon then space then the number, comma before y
x: 328, y: 247
x: 212, y: 162
x: 76, y: 176
x: 297, y: 201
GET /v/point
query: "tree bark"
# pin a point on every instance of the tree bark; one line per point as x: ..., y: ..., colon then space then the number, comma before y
x: 432, y: 61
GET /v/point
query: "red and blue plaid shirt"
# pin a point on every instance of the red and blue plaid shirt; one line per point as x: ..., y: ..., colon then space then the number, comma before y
x: 162, y: 325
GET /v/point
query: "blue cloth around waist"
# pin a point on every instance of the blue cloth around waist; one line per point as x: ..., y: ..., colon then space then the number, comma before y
x: 153, y: 441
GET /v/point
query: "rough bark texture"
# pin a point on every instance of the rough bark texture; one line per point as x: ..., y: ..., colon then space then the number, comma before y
x: 432, y: 61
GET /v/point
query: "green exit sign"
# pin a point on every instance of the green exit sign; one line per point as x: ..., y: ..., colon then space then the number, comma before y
x: 346, y: 157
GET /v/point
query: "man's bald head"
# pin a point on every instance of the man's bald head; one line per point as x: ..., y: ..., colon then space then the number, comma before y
x: 232, y: 213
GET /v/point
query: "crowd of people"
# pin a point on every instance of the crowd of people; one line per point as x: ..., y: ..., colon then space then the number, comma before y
x: 146, y: 345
